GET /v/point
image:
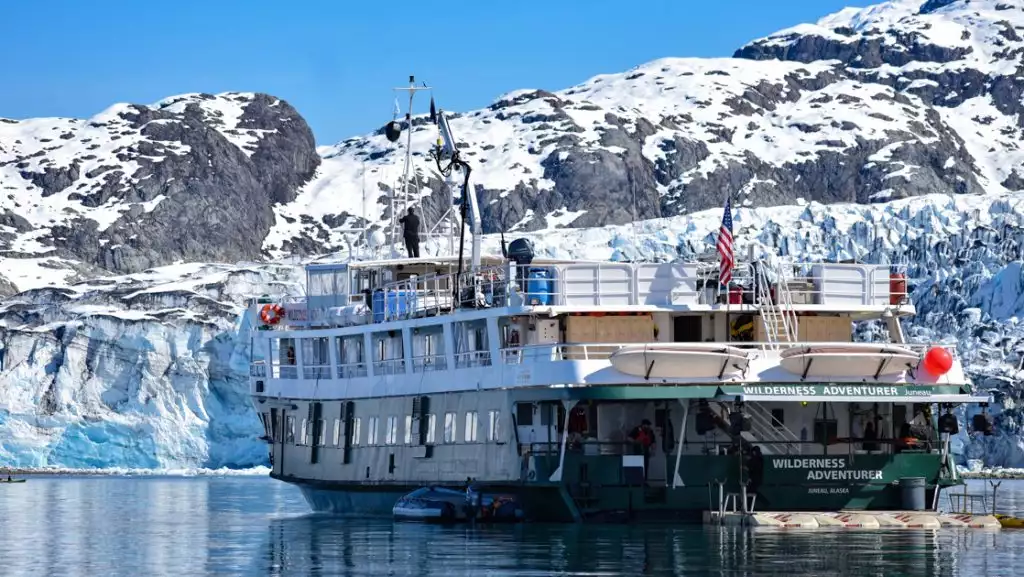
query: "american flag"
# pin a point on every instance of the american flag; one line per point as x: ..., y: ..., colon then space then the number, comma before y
x: 725, y: 245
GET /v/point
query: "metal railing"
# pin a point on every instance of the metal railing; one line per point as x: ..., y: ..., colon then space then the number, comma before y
x: 429, y: 363
x: 622, y: 284
x: 539, y: 354
x: 602, y: 351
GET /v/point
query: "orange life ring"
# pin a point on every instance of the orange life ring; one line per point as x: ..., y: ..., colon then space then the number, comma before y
x: 272, y: 314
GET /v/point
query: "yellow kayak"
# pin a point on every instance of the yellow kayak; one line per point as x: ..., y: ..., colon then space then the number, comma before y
x: 1009, y: 522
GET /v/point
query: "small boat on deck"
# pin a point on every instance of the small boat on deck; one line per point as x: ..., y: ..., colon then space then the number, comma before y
x: 848, y: 360
x: 680, y: 360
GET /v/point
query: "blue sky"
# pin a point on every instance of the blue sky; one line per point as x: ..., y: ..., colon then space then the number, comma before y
x: 337, y: 61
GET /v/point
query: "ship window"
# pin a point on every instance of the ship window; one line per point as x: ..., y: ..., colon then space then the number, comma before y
x: 779, y: 418
x: 524, y: 414
x: 371, y: 431
x: 303, y: 440
x: 391, y: 434
x: 290, y: 430
x: 492, y: 427
x: 337, y: 432
x: 431, y: 428
x: 356, y: 432
x: 471, y: 427
x: 449, y: 427
x: 408, y: 429
x: 321, y: 432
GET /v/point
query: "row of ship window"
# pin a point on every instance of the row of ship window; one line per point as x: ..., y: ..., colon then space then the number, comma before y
x: 391, y: 430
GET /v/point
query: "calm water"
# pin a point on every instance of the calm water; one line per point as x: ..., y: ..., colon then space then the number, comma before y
x: 254, y: 526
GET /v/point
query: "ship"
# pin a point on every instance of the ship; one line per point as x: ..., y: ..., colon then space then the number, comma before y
x: 594, y: 390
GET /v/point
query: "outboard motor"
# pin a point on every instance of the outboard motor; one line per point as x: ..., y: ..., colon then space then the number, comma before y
x: 520, y: 251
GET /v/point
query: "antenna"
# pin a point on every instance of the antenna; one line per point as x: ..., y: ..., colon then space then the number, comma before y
x: 412, y: 89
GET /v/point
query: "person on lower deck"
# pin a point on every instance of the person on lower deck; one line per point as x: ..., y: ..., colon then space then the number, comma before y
x: 411, y: 233
x: 643, y: 440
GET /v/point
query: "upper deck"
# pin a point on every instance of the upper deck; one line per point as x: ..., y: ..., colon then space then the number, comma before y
x: 345, y: 295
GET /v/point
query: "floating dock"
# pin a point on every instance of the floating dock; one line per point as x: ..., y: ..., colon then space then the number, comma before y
x: 853, y: 520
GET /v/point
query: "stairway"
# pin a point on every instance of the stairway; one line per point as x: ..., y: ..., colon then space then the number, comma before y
x: 776, y: 311
x: 764, y: 427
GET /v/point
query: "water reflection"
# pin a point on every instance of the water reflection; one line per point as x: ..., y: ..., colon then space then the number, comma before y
x: 255, y: 526
x: 315, y: 545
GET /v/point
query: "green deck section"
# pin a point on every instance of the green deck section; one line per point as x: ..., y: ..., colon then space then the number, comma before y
x: 791, y: 483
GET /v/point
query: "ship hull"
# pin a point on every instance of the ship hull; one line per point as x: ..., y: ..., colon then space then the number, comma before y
x: 790, y: 484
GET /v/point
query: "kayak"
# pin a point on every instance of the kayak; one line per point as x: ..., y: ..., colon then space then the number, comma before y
x: 13, y: 481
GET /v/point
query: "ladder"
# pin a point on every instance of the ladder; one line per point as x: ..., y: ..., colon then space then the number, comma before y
x: 777, y: 316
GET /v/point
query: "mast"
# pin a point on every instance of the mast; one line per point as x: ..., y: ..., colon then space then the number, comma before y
x: 412, y: 89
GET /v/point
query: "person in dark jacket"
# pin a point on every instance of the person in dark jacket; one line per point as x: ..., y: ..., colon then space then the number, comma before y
x: 411, y: 233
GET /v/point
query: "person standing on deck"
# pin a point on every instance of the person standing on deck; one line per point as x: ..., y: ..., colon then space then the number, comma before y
x: 411, y: 233
x: 643, y: 437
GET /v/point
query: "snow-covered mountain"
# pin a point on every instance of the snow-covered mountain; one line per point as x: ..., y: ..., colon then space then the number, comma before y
x: 115, y: 351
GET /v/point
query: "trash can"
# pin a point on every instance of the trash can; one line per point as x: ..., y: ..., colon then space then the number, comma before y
x: 912, y: 489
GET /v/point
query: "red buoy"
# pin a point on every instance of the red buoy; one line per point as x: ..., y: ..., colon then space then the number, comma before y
x: 938, y: 361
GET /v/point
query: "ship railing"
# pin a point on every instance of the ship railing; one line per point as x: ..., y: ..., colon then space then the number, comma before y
x: 321, y: 372
x: 472, y: 359
x: 389, y: 367
x: 618, y: 284
x: 813, y: 283
x: 352, y: 370
x: 427, y: 363
x: 603, y: 351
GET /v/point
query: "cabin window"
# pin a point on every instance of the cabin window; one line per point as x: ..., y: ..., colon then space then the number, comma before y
x: 316, y: 358
x: 431, y: 429
x: 303, y: 439
x: 471, y: 347
x: 321, y: 432
x: 356, y: 431
x: 449, y: 427
x: 351, y: 362
x: 265, y: 419
x: 524, y: 414
x: 391, y: 433
x: 371, y: 431
x: 779, y: 418
x: 290, y: 430
x: 283, y: 356
x: 408, y: 429
x: 471, y: 426
x: 492, y: 425
x: 337, y: 432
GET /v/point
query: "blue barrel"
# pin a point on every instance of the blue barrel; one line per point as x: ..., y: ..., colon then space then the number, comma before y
x: 377, y: 305
x: 539, y: 287
x: 912, y: 489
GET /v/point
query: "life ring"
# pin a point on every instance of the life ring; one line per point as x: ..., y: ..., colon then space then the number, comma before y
x: 272, y: 314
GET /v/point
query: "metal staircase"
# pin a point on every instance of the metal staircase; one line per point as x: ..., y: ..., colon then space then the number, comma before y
x: 764, y: 427
x: 776, y: 311
x: 766, y: 432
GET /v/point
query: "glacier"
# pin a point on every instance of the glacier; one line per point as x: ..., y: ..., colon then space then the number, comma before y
x: 150, y: 370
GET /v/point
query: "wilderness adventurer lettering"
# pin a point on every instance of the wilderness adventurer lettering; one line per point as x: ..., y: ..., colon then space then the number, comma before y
x: 827, y: 469
x: 828, y: 390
